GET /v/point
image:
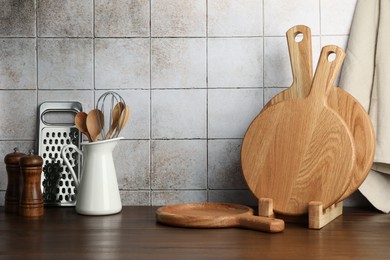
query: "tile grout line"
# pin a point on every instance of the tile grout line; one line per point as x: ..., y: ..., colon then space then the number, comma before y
x: 36, y: 51
x: 207, y: 101
x: 263, y: 18
x: 93, y: 52
x: 150, y: 106
x: 37, y: 74
x: 319, y: 17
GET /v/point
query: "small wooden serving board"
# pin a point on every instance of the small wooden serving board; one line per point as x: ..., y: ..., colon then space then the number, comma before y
x: 216, y: 215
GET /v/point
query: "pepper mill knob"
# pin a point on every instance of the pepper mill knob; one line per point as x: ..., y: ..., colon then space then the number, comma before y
x: 12, y: 195
x: 31, y: 201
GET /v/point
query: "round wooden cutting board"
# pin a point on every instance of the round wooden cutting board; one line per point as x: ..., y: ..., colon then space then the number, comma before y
x: 299, y: 150
x: 344, y: 104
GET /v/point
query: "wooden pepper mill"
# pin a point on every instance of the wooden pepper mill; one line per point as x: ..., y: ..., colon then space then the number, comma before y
x: 12, y: 195
x: 31, y: 200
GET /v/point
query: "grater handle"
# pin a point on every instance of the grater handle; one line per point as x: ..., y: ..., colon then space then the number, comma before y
x: 63, y: 155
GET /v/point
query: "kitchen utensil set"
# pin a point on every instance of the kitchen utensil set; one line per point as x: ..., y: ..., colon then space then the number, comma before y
x: 107, y: 120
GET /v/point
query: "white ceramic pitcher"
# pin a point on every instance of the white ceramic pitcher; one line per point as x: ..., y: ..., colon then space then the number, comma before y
x: 97, y: 188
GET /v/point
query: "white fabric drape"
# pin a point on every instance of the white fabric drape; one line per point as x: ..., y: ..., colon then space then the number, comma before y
x: 366, y: 75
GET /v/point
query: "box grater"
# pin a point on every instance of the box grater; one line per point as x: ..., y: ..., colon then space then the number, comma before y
x: 56, y: 128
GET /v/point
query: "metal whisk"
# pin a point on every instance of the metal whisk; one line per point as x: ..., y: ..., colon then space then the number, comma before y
x: 115, y: 114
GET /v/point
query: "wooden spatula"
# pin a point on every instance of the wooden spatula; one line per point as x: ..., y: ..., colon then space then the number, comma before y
x: 299, y: 150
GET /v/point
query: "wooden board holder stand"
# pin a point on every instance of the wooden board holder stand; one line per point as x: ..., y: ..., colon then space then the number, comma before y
x: 317, y: 216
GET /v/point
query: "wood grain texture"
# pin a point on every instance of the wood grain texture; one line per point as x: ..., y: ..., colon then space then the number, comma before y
x: 134, y: 234
x: 31, y: 199
x: 301, y: 60
x: 317, y: 216
x: 320, y: 217
x: 216, y: 215
x: 360, y: 125
x: 299, y: 150
x: 344, y: 104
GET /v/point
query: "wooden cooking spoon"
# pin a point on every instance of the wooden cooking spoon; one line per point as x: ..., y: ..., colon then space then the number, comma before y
x: 340, y: 101
x: 216, y: 215
x: 116, y: 113
x: 80, y: 121
x: 122, y: 120
x: 95, y: 123
x: 299, y: 150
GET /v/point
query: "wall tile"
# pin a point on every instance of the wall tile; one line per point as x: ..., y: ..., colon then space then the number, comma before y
x: 135, y: 198
x: 224, y: 165
x: 341, y: 41
x: 277, y: 68
x: 122, y: 19
x: 132, y: 164
x: 72, y: 18
x: 65, y: 63
x: 122, y: 63
x: 178, y: 18
x: 270, y: 93
x: 178, y: 63
x: 179, y: 113
x: 280, y: 15
x: 316, y: 48
x: 179, y: 164
x: 18, y: 114
x: 336, y: 16
x: 7, y: 147
x: 230, y: 111
x: 223, y: 17
x: 235, y: 62
x: 138, y: 125
x: 18, y: 64
x: 161, y: 198
x: 85, y: 97
x: 195, y: 73
x: 243, y: 197
x: 17, y: 19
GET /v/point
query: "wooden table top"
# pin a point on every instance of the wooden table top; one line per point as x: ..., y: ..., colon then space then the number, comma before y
x: 134, y: 234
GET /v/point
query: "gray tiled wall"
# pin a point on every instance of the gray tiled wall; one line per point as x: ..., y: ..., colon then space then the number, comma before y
x: 195, y: 73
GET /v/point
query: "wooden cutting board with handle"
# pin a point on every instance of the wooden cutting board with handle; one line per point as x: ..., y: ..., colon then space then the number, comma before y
x: 301, y: 60
x: 216, y: 215
x: 340, y: 101
x: 299, y: 150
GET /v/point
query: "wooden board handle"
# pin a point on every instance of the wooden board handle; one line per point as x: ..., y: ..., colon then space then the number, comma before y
x: 265, y: 224
x: 328, y: 67
x: 300, y: 58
